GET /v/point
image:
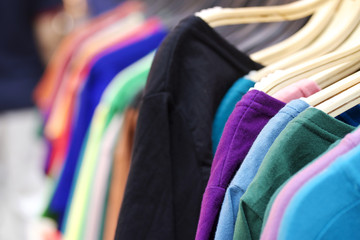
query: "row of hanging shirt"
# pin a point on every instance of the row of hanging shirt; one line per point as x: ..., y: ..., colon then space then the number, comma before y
x: 210, y: 154
x: 64, y: 94
x: 85, y: 96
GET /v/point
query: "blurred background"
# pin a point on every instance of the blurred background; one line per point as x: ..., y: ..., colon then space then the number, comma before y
x: 32, y: 30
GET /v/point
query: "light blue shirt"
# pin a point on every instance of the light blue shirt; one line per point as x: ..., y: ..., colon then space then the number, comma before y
x: 227, y: 105
x: 249, y: 167
x: 328, y: 205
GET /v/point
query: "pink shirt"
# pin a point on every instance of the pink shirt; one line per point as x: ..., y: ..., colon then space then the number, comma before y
x: 297, y: 181
x: 303, y: 88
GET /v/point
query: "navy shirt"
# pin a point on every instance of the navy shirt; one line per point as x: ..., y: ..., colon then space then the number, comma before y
x: 20, y: 63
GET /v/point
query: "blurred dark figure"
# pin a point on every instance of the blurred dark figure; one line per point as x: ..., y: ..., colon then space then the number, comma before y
x: 20, y: 63
x: 21, y: 150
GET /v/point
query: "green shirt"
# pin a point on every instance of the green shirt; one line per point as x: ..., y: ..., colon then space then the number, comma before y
x: 115, y: 98
x: 304, y: 138
x: 273, y: 197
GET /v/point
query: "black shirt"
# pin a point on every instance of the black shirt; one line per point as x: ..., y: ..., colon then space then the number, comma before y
x: 191, y: 72
x: 20, y: 64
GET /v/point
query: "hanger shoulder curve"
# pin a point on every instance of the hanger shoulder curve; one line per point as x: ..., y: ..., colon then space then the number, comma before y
x: 289, y: 11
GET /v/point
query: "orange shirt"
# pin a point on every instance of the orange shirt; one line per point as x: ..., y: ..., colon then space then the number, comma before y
x: 121, y: 168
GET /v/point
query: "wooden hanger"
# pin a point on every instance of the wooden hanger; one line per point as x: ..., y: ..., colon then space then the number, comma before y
x: 245, y: 30
x: 337, y: 72
x: 336, y: 68
x: 322, y: 98
x: 335, y: 34
x: 312, y: 67
x: 355, y: 100
x: 326, y: 79
x: 230, y: 16
x: 345, y: 100
x: 346, y: 19
x: 247, y: 37
x: 330, y: 76
x: 313, y: 28
x: 333, y: 90
x: 266, y: 34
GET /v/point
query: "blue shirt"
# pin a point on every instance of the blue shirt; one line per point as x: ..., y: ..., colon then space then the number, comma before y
x: 250, y: 166
x: 327, y: 206
x: 103, y: 71
x: 227, y: 105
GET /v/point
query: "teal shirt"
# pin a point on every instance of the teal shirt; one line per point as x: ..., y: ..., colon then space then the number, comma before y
x: 227, y: 105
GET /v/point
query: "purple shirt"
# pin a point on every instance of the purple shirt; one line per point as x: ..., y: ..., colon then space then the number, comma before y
x: 283, y: 199
x: 244, y: 124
